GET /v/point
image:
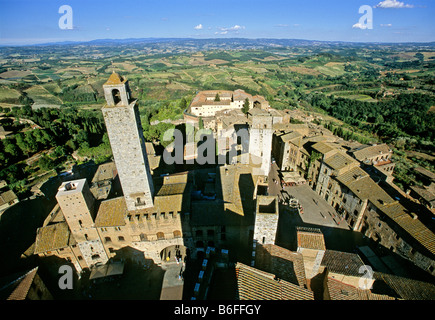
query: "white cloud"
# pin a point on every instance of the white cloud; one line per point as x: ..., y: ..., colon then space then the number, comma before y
x: 386, y: 25
x: 359, y: 26
x: 198, y: 27
x: 233, y: 28
x: 392, y: 4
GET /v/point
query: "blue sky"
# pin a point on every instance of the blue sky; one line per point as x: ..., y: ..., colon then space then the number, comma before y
x: 36, y: 21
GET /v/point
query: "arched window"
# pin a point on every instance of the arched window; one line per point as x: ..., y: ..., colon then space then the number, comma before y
x: 160, y: 236
x: 116, y: 95
x: 177, y: 234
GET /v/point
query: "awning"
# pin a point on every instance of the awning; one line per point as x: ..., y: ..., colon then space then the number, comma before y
x: 107, y: 270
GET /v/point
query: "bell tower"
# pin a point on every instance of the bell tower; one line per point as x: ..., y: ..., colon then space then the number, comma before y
x: 124, y: 129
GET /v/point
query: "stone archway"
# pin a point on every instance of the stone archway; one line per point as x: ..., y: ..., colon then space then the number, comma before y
x: 174, y: 253
x: 116, y: 96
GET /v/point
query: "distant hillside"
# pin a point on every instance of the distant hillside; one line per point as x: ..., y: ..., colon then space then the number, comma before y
x: 260, y: 42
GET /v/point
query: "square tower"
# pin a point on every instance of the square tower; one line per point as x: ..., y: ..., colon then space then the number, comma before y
x: 124, y: 129
x: 77, y: 204
x: 260, y: 140
x: 266, y: 222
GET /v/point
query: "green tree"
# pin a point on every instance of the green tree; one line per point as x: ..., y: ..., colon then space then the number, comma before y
x: 245, y: 107
x: 46, y: 163
x: 11, y: 148
x: 217, y: 98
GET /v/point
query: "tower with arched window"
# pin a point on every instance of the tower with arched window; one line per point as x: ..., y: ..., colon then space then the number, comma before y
x: 124, y: 129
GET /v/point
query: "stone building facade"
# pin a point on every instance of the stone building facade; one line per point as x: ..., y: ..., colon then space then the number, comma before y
x: 368, y: 209
x: 286, y: 149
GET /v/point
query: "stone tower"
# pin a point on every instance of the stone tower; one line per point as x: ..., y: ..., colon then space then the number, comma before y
x: 124, y: 128
x: 77, y: 204
x: 266, y: 222
x: 260, y: 141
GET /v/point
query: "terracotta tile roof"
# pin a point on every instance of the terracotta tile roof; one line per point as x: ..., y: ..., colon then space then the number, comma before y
x: 285, y: 264
x: 323, y: 147
x: 360, y: 183
x: 340, y: 291
x: 291, y: 136
x: 171, y: 189
x: 310, y: 238
x: 339, y: 161
x: 7, y: 196
x: 414, y: 227
x: 111, y: 213
x: 405, y: 288
x: 52, y: 237
x: 23, y: 286
x: 115, y: 79
x: 342, y: 262
x: 253, y: 284
x: 105, y: 171
x: 371, y: 151
x: 364, y: 187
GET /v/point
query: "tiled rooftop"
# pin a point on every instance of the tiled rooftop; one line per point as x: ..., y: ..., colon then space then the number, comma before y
x: 105, y: 171
x: 340, y: 291
x: 342, y: 262
x: 23, y: 285
x: 253, y: 284
x: 364, y: 187
x: 111, y: 213
x: 371, y: 151
x: 339, y: 161
x: 310, y: 238
x: 115, y: 79
x: 405, y: 288
x: 285, y: 264
x: 7, y: 196
x: 322, y: 147
x: 52, y: 237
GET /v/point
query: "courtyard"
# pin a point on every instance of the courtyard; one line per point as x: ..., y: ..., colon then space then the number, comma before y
x: 316, y: 213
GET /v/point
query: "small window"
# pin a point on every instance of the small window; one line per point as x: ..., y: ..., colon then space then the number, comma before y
x: 107, y: 239
x: 121, y: 238
x: 95, y: 257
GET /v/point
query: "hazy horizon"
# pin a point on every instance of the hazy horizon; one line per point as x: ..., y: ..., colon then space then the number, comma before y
x: 26, y: 22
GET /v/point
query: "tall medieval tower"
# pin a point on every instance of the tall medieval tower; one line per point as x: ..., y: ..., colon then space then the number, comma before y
x: 260, y: 141
x: 124, y: 128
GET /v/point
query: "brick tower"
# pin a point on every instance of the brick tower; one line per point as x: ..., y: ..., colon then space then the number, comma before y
x: 124, y: 128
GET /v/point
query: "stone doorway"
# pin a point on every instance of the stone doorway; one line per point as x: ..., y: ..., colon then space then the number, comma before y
x: 174, y: 253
